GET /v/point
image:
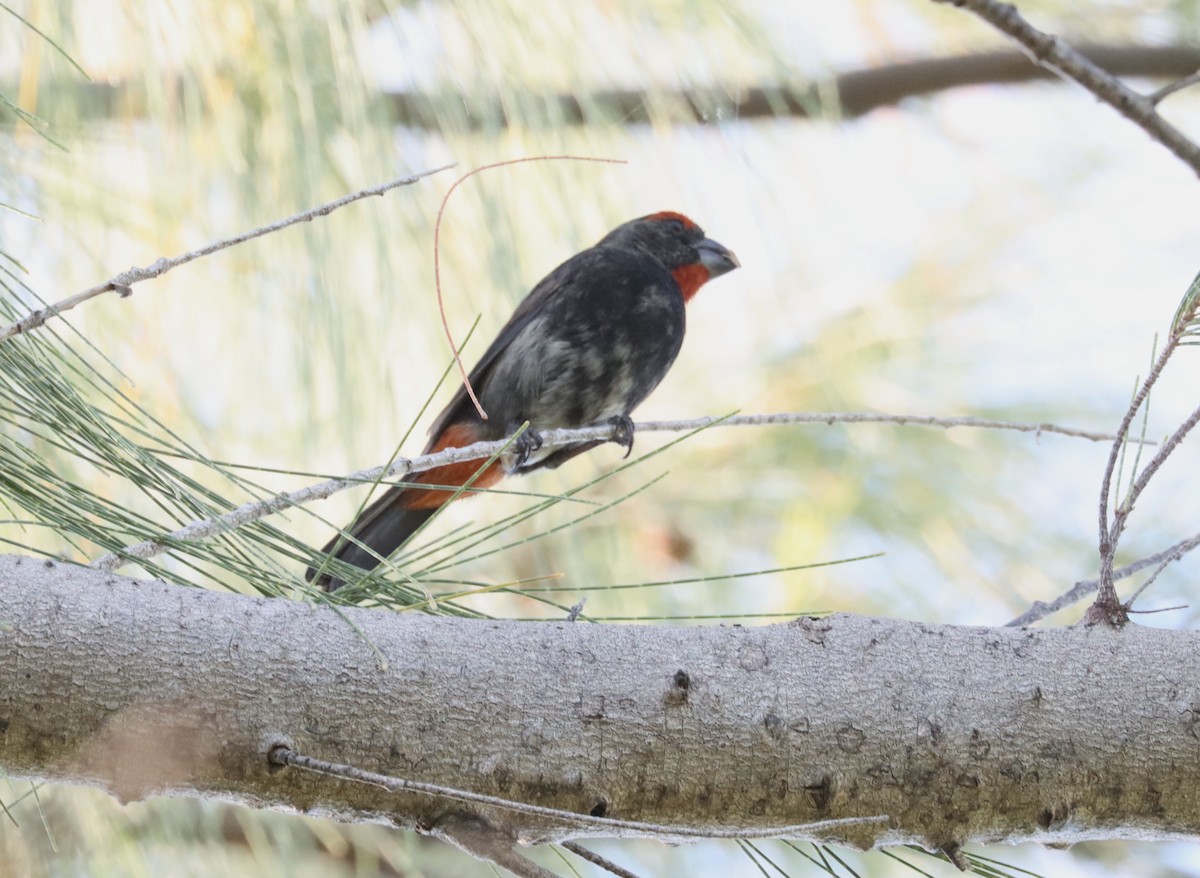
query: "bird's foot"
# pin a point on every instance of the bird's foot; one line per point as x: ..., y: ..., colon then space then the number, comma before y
x: 622, y: 432
x: 523, y: 446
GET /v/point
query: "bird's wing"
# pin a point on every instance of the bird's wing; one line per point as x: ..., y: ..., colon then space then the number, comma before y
x: 530, y: 307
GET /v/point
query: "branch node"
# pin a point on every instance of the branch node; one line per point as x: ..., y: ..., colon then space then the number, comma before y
x: 279, y: 756
x: 1105, y: 612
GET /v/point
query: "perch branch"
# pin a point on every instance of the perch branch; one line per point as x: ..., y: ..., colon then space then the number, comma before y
x: 401, y: 466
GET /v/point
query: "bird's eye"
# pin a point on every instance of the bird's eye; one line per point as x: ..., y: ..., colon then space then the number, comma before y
x: 678, y: 226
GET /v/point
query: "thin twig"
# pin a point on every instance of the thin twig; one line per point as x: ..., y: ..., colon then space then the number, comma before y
x: 1053, y: 53
x: 283, y: 755
x: 123, y: 282
x: 1107, y: 608
x: 253, y: 511
x: 603, y: 862
x: 1155, y: 97
x: 849, y: 94
x: 1149, y: 580
x: 1143, y: 479
x: 1159, y: 610
x: 1110, y: 536
x: 1041, y: 609
x: 401, y: 466
x: 831, y: 418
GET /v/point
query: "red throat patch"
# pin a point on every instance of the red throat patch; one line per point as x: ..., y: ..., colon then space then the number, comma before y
x: 454, y: 474
x: 690, y: 278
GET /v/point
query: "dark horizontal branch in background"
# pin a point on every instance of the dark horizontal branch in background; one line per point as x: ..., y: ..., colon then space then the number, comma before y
x: 866, y: 90
x: 846, y: 95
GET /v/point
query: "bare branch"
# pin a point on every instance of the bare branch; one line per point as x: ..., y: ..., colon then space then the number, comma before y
x: 122, y: 283
x: 1052, y: 52
x: 603, y: 862
x: 401, y: 466
x: 1110, y: 536
x: 282, y: 755
x: 849, y: 94
x: 1156, y: 97
x: 831, y: 418
x: 1107, y: 607
x: 1150, y: 580
x: 1040, y: 609
x: 1159, y: 610
x: 248, y: 512
x: 1168, y: 446
x: 488, y: 843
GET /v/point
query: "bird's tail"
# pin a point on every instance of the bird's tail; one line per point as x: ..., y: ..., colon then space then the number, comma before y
x: 388, y: 523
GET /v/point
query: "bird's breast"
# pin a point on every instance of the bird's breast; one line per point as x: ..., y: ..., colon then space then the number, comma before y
x: 595, y: 350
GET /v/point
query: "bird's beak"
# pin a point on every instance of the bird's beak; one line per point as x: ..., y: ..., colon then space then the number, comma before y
x: 716, y: 258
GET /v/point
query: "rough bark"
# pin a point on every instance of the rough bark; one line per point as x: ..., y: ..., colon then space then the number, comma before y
x: 956, y: 734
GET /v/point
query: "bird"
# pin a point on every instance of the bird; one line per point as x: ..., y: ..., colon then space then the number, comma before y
x: 585, y: 347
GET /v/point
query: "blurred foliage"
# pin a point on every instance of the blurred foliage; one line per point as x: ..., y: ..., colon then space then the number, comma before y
x: 875, y: 256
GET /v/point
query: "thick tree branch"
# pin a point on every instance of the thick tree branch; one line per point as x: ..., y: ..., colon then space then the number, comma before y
x: 402, y: 466
x: 144, y: 688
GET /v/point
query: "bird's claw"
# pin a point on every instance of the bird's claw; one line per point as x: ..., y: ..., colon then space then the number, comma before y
x: 523, y: 446
x: 623, y: 432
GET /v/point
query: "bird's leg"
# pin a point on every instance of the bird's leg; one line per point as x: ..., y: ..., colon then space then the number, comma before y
x: 623, y: 432
x: 523, y: 446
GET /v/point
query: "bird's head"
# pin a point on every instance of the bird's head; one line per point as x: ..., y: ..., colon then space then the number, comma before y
x: 679, y: 244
